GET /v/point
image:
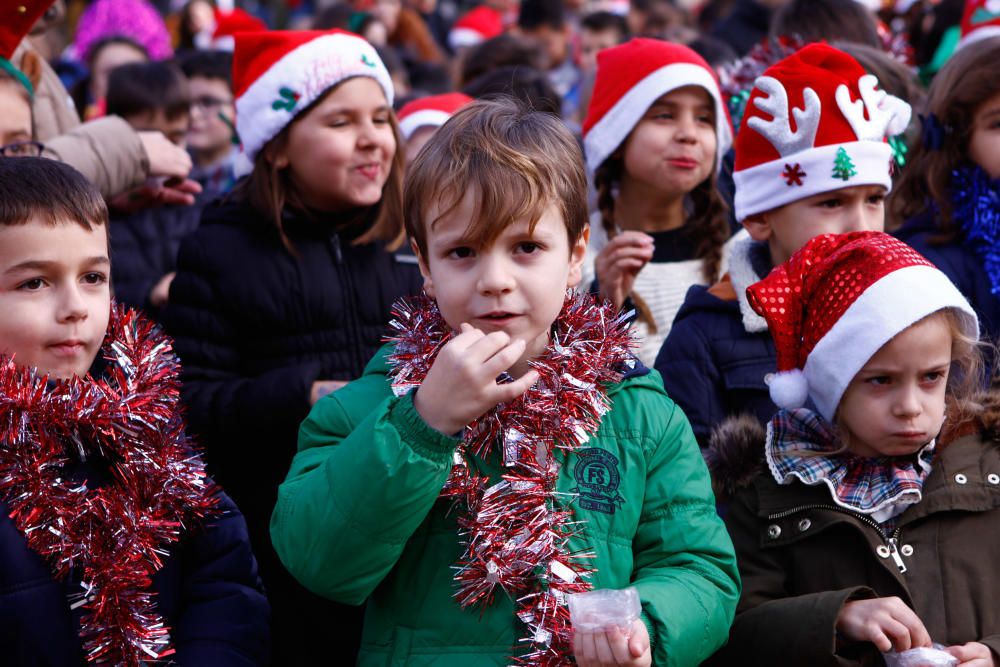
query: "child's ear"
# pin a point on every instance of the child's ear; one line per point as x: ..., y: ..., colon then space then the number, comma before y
x: 758, y: 227
x: 31, y: 65
x: 424, y: 269
x: 577, y: 255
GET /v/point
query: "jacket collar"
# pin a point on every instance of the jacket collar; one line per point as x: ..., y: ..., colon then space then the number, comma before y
x: 744, y: 255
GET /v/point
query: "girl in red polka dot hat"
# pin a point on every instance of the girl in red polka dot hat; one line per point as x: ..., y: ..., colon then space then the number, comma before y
x: 654, y: 136
x: 866, y: 527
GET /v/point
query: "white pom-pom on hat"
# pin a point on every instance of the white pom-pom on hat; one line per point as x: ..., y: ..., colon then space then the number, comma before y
x: 789, y: 389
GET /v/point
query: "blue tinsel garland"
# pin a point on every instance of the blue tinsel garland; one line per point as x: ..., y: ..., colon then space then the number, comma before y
x: 976, y: 207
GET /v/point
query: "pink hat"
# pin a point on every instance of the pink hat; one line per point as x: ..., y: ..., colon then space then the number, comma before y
x: 431, y: 111
x: 135, y: 20
x: 630, y: 77
x: 815, y: 122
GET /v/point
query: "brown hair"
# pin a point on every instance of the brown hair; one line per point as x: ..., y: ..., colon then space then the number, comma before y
x: 39, y: 189
x: 967, y: 80
x: 516, y: 161
x: 707, y: 225
x: 269, y: 188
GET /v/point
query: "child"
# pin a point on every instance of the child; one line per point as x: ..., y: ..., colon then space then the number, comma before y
x: 949, y: 194
x: 113, y: 547
x: 654, y: 136
x: 496, y: 208
x: 283, y: 292
x: 420, y: 119
x: 15, y: 120
x: 830, y: 176
x: 545, y: 23
x: 211, y: 137
x: 598, y: 31
x: 865, y: 531
x: 145, y: 239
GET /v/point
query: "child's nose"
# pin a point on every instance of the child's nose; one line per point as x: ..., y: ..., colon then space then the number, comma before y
x: 72, y: 305
x: 495, y: 277
x: 907, y: 402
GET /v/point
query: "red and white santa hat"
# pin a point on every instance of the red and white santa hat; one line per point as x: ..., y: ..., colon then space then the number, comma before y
x: 228, y: 23
x: 836, y: 302
x: 633, y: 75
x: 277, y: 74
x: 815, y: 122
x: 16, y: 20
x: 433, y: 111
x: 980, y: 20
x: 475, y: 27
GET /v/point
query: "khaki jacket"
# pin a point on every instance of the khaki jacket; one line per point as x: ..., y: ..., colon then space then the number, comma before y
x: 801, y: 558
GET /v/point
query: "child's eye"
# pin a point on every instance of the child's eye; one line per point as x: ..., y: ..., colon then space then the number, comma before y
x: 95, y: 278
x: 876, y: 199
x: 879, y: 380
x: 829, y: 203
x: 32, y: 285
x: 528, y: 247
x: 707, y: 119
x: 934, y: 376
x: 460, y: 253
x: 381, y: 120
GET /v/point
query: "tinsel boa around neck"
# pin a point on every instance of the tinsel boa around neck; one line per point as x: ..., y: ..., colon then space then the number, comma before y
x: 113, y: 537
x: 515, y: 531
x: 976, y: 208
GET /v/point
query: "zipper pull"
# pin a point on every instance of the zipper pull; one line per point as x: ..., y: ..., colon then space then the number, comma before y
x: 894, y: 552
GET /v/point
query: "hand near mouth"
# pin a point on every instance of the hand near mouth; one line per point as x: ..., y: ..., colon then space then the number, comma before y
x: 461, y: 384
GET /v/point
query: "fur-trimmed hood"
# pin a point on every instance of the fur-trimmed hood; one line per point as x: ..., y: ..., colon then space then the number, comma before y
x: 735, y: 454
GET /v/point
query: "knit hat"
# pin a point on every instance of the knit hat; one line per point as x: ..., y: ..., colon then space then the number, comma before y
x: 135, y: 20
x: 279, y: 73
x: 815, y: 122
x: 227, y: 24
x: 630, y: 77
x: 980, y: 20
x: 475, y: 27
x: 16, y: 19
x: 433, y: 111
x: 836, y: 302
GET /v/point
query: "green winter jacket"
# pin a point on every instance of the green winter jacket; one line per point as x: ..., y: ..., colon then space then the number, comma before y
x: 358, y: 519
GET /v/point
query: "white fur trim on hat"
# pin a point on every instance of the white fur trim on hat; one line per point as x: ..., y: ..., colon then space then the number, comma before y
x: 422, y: 118
x: 461, y: 37
x: 874, y: 318
x: 764, y: 187
x: 610, y: 131
x: 308, y: 71
x: 977, y: 35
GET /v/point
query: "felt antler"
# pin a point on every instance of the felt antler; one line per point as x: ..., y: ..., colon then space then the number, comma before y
x: 778, y: 130
x: 887, y: 115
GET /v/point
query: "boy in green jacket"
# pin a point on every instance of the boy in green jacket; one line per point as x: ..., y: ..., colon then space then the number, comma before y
x: 535, y: 458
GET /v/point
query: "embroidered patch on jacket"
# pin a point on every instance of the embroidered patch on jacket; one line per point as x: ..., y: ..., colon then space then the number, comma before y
x: 598, y: 478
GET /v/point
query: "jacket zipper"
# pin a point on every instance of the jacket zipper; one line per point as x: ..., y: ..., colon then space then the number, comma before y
x: 891, y: 541
x: 347, y: 287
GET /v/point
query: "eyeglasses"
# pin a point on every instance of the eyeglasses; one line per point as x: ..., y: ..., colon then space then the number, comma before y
x: 23, y: 149
x: 209, y: 104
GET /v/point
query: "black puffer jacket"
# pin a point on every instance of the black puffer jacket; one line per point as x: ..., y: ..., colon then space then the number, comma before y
x: 255, y: 326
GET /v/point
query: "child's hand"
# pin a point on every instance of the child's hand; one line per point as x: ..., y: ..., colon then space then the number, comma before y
x: 161, y: 290
x: 619, y: 263
x: 886, y: 622
x: 462, y: 383
x: 973, y: 654
x: 321, y: 388
x: 601, y: 649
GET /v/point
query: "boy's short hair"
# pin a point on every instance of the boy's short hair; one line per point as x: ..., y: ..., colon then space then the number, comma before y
x: 535, y: 14
x: 209, y: 65
x: 44, y: 190
x: 138, y: 88
x: 603, y: 20
x: 516, y: 161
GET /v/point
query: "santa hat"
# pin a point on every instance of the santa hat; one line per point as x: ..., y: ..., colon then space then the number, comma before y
x: 433, y: 111
x: 630, y: 77
x: 16, y: 19
x: 277, y: 74
x: 475, y: 27
x: 227, y: 24
x: 815, y: 122
x: 980, y: 20
x: 836, y: 302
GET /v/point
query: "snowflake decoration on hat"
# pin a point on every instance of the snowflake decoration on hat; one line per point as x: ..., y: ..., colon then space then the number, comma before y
x: 793, y: 174
x: 843, y: 167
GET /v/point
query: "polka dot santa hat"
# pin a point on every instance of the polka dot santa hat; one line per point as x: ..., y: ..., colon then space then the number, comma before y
x: 633, y: 75
x: 277, y: 74
x: 815, y: 122
x: 836, y: 302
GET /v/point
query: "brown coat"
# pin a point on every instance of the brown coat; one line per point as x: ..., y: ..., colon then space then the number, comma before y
x: 801, y: 558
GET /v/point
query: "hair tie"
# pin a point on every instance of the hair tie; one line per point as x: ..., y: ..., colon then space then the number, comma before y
x: 933, y: 132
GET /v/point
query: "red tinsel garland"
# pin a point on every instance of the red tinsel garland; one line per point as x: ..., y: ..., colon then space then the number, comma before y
x: 115, y: 536
x: 515, y: 531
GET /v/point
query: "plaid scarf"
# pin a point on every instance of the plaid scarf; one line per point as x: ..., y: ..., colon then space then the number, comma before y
x: 884, y: 486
